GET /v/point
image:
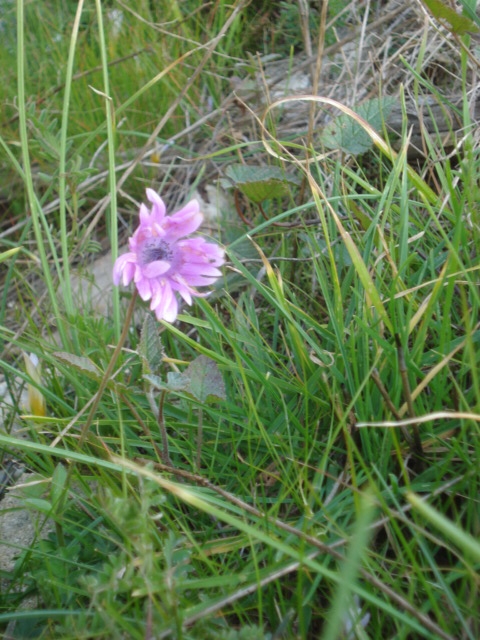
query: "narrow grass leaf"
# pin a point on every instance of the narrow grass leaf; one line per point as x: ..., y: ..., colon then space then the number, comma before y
x: 467, y: 543
x: 343, y: 612
x: 6, y: 255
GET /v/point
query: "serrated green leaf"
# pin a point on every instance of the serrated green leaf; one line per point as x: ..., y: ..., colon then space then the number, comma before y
x: 150, y: 348
x: 260, y: 183
x: 81, y: 363
x: 206, y: 381
x: 450, y: 18
x: 346, y: 134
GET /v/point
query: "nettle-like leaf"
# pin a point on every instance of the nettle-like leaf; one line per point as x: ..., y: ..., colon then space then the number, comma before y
x: 260, y: 183
x: 346, y: 134
x: 202, y: 380
x: 80, y: 363
x: 150, y: 348
x: 450, y: 18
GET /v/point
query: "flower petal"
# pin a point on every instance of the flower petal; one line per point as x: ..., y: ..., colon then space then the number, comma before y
x: 158, y: 210
x: 128, y: 273
x: 157, y: 292
x: 198, y: 250
x: 156, y: 268
x: 186, y: 295
x: 199, y: 281
x: 164, y: 302
x: 144, y: 289
x: 193, y: 269
x: 183, y: 222
x: 170, y: 311
x: 144, y: 215
x: 124, y: 265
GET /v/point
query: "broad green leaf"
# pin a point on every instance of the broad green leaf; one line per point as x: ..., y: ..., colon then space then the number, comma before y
x: 348, y: 135
x: 201, y: 379
x: 81, y: 363
x: 156, y: 382
x: 206, y: 381
x: 177, y: 381
x: 260, y: 183
x: 150, y: 347
x: 449, y: 18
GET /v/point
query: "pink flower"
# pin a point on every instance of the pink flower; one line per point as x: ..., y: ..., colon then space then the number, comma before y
x: 162, y: 262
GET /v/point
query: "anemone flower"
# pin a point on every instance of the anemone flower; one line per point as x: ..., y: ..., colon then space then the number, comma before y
x: 162, y: 262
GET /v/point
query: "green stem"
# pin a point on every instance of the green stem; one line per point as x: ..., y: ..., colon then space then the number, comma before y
x: 62, y: 186
x: 112, y: 220
x: 34, y: 206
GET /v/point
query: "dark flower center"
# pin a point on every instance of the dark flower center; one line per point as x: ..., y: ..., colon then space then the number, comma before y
x: 155, y: 249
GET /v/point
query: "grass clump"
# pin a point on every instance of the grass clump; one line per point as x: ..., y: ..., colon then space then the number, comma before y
x: 297, y: 455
